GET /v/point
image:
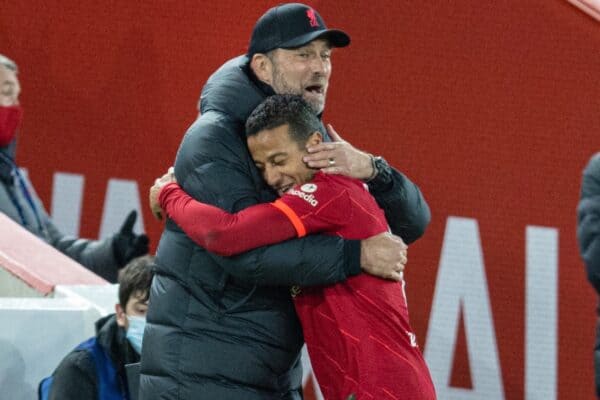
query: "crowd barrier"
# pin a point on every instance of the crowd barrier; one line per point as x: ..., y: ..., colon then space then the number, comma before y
x: 48, y: 304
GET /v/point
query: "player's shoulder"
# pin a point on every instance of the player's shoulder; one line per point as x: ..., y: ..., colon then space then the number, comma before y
x: 593, y: 166
x: 339, y: 182
x: 322, y: 189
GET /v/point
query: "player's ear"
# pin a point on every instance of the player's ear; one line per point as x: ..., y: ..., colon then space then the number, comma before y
x: 315, y: 138
x: 262, y: 66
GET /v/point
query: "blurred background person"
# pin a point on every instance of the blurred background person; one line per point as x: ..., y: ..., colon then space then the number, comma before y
x: 19, y: 201
x: 588, y: 233
x: 95, y: 369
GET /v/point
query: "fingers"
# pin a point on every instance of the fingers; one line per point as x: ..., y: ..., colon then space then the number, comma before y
x: 395, y: 276
x: 333, y: 134
x: 401, y: 245
x: 403, y: 260
x: 392, y: 276
x: 157, y: 214
x: 141, y: 242
x: 323, y: 155
x: 163, y: 181
x: 166, y: 178
x: 333, y: 170
x: 397, y: 273
x: 153, y: 194
x: 321, y: 164
x: 322, y: 147
x: 156, y: 211
x: 127, y: 226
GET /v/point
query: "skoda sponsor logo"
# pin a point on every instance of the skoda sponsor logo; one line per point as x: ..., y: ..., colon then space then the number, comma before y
x: 309, y: 198
x: 309, y: 188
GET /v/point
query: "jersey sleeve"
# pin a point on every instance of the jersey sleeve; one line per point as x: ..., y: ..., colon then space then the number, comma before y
x: 316, y: 207
x: 221, y: 232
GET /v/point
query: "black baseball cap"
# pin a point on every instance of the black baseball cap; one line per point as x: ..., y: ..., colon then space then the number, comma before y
x: 292, y: 25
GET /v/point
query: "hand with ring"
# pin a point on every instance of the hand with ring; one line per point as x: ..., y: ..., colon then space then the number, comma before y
x: 339, y: 157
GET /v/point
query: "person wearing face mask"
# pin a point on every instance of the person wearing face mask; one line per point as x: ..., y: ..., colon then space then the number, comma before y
x: 19, y: 201
x: 95, y: 369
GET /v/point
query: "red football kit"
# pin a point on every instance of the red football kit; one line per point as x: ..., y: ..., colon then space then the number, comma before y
x: 357, y: 332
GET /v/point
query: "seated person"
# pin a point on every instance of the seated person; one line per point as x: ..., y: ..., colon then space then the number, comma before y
x: 357, y: 332
x: 95, y: 370
x: 19, y: 201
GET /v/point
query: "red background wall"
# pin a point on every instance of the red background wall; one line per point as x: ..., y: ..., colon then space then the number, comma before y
x: 493, y: 108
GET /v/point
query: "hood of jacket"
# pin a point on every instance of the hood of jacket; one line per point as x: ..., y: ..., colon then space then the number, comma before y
x: 112, y: 338
x: 234, y: 80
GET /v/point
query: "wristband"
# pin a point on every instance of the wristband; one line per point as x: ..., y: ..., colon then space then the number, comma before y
x: 382, y: 178
x: 375, y: 171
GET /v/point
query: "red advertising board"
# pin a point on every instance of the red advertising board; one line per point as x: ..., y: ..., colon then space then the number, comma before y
x: 492, y: 108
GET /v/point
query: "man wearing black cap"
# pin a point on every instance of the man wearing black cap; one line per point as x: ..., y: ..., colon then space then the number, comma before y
x: 225, y: 328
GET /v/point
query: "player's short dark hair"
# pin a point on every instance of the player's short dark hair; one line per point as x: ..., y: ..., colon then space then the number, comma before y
x: 135, y: 278
x: 282, y: 109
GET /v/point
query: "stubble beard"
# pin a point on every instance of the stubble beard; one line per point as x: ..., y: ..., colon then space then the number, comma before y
x: 281, y: 86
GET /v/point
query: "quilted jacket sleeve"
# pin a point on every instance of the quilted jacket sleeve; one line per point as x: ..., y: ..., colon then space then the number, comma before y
x: 405, y: 207
x: 95, y: 255
x: 588, y: 221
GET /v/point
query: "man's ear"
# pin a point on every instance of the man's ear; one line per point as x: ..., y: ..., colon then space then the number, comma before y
x: 315, y: 138
x: 262, y: 66
x: 121, y: 316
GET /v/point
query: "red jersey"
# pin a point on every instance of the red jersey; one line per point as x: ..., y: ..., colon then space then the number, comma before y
x: 357, y: 332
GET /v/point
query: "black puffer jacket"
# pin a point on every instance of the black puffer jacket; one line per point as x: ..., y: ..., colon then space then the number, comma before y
x: 221, y: 328
x: 588, y: 233
x: 588, y: 221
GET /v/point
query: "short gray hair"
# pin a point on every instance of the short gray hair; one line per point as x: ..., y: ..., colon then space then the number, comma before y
x: 8, y: 63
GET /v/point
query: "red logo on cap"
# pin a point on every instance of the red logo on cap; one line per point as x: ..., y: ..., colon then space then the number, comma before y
x: 312, y: 17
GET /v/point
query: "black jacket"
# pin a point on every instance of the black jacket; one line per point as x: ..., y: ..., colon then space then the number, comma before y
x: 75, y: 377
x: 225, y: 328
x: 588, y: 233
x: 588, y: 221
x: 96, y: 255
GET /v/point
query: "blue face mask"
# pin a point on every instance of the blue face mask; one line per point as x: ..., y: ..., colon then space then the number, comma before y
x: 135, y: 332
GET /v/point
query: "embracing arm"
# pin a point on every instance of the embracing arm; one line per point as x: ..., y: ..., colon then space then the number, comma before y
x: 214, y: 167
x: 310, y: 261
x: 227, y: 234
x: 588, y: 221
x: 221, y: 232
